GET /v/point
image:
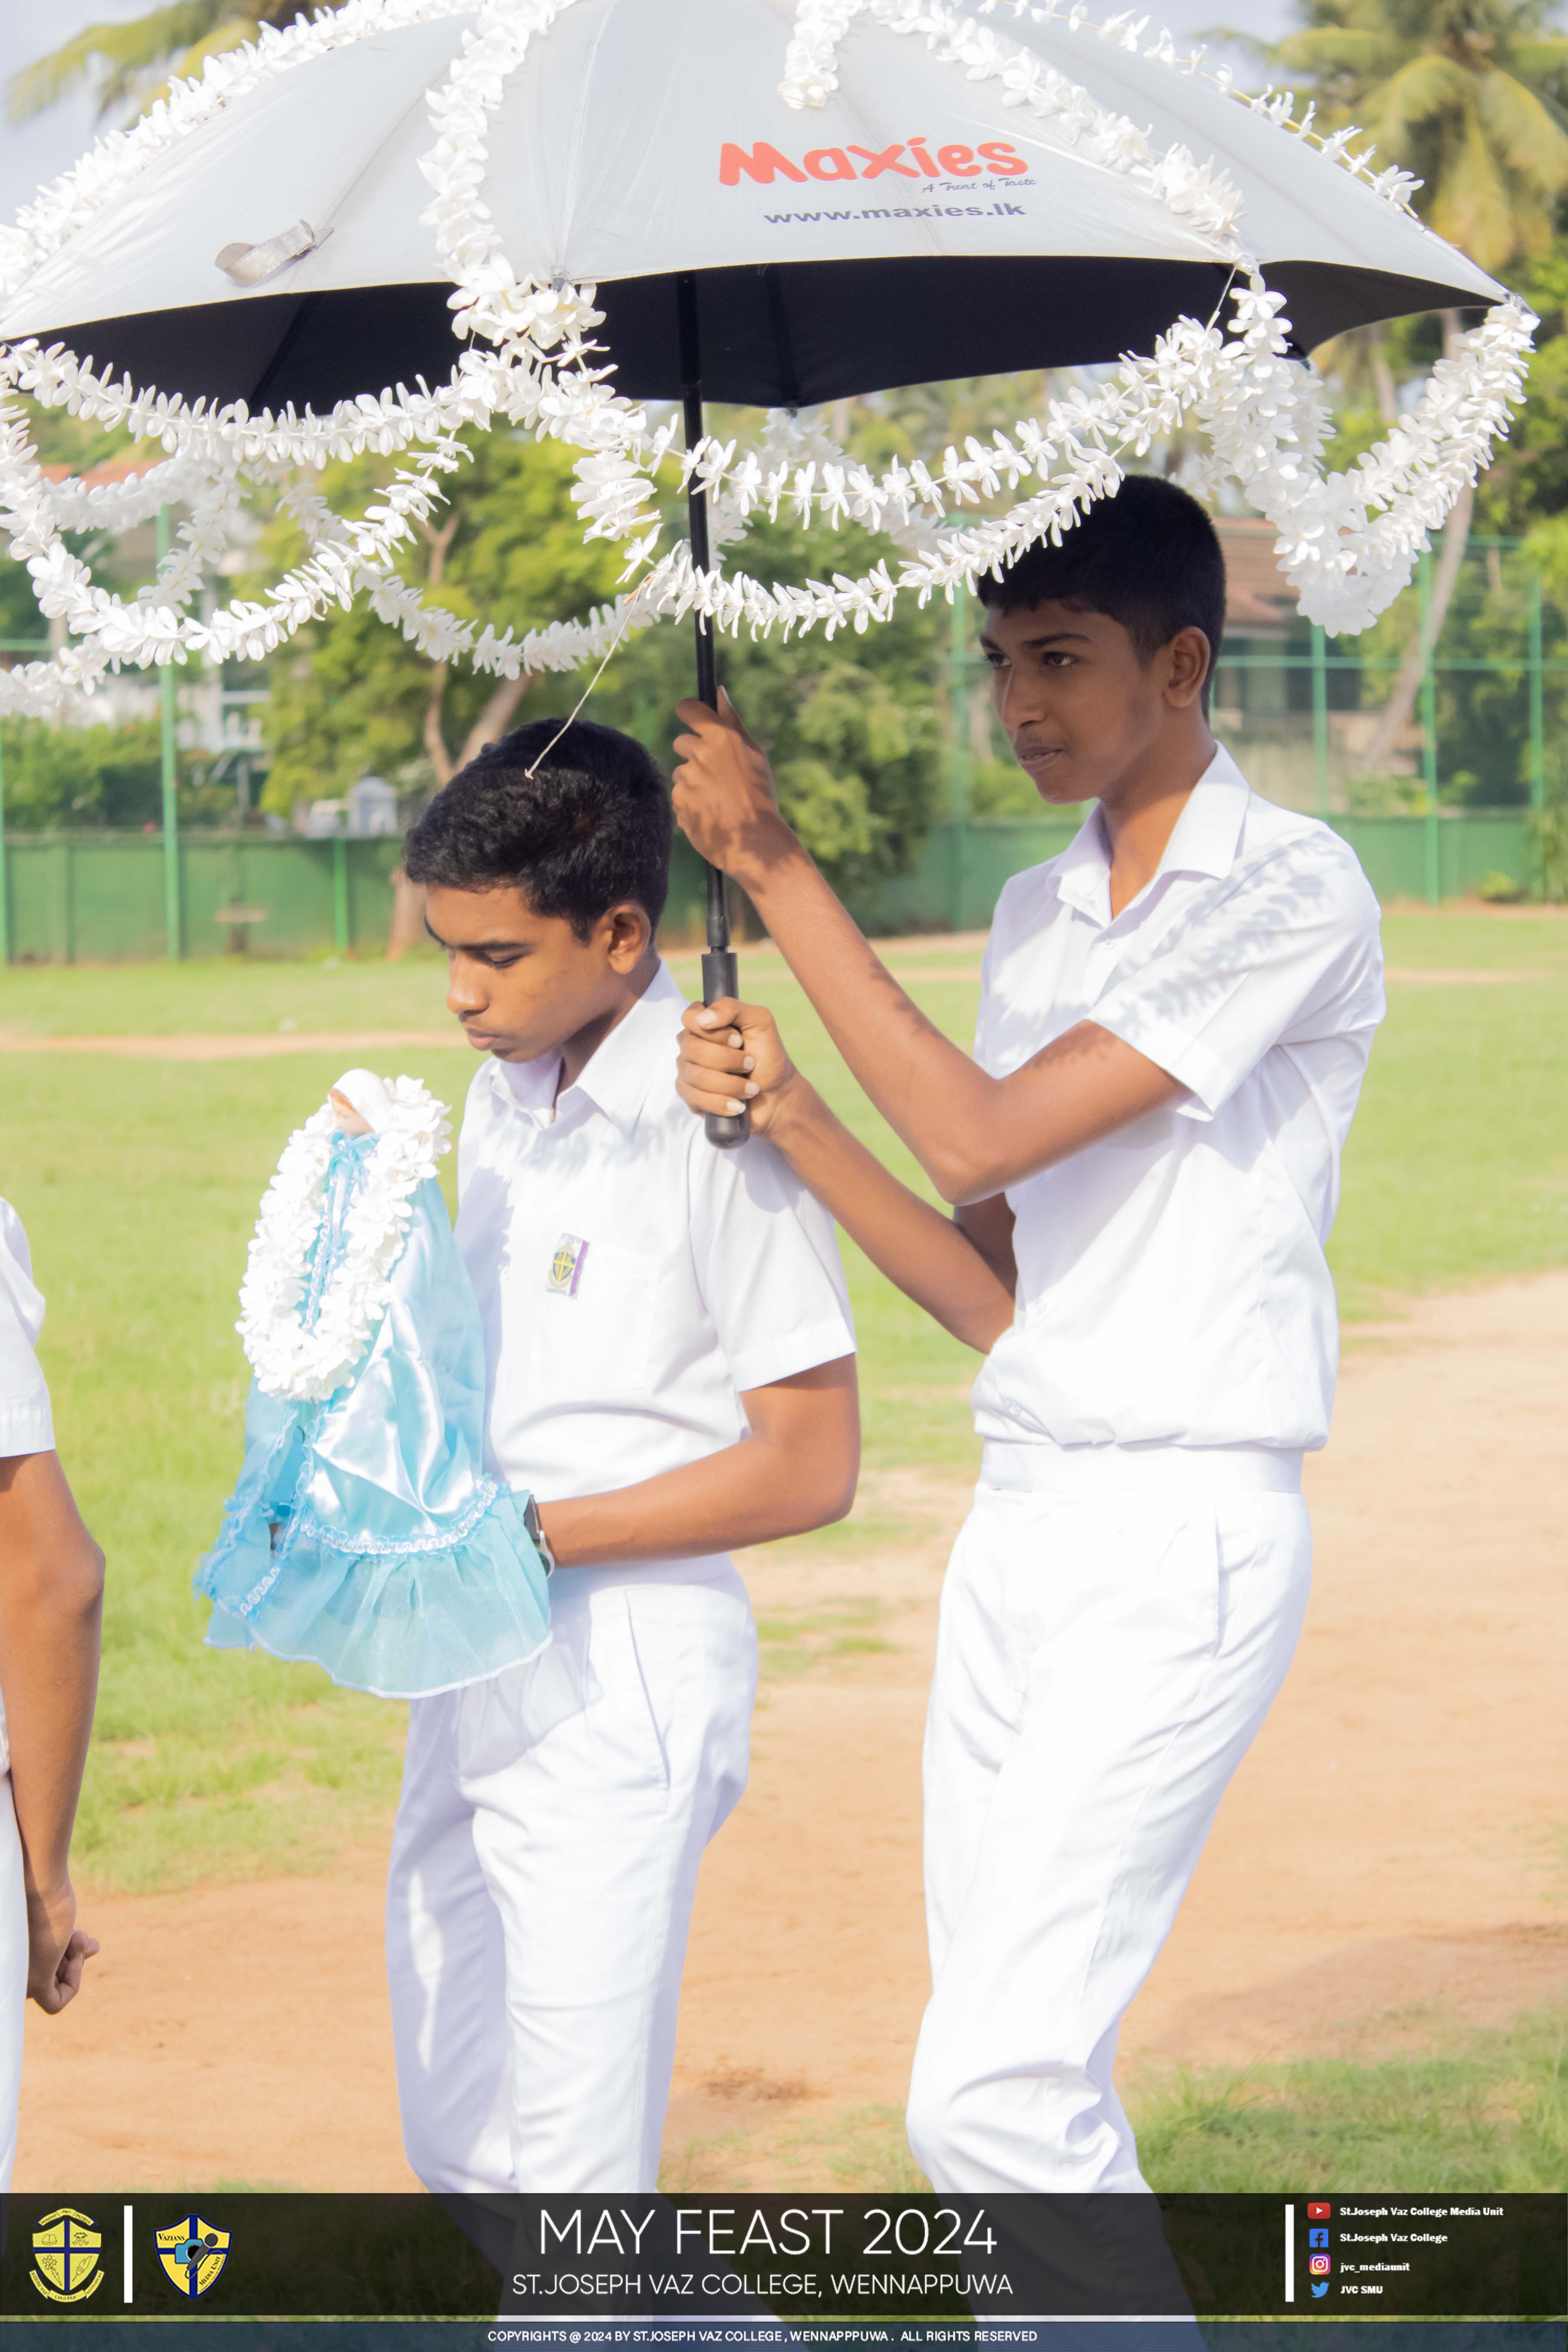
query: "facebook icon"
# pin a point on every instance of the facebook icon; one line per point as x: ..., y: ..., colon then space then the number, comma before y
x: 1317, y: 2237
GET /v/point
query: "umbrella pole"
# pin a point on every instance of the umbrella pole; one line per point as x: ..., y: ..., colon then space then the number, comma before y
x: 720, y: 976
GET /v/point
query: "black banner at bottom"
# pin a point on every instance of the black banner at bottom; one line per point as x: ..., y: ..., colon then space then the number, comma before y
x: 805, y: 2335
x: 661, y: 2271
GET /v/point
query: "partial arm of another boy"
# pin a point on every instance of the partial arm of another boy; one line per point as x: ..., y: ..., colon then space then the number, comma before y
x: 973, y: 1134
x: 959, y: 1269
x: 51, y: 1601
x: 797, y: 1470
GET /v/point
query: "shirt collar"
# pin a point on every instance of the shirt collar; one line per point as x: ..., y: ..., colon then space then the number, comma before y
x: 619, y: 1074
x: 1207, y: 836
x: 1083, y: 869
x: 1204, y: 840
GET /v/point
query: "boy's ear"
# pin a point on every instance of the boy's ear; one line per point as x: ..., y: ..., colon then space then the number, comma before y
x: 1188, y: 656
x: 630, y: 934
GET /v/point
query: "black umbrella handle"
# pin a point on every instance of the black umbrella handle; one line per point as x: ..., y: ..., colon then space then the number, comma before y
x: 719, y: 974
x: 721, y: 977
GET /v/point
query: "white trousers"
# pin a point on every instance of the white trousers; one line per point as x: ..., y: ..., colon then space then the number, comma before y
x: 13, y: 1976
x: 1106, y: 1653
x: 541, y: 1887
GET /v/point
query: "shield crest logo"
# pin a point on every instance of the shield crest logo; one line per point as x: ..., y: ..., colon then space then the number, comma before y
x: 193, y: 2253
x: 566, y: 1266
x: 66, y: 2246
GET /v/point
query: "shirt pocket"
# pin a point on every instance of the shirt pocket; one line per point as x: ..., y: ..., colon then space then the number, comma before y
x: 595, y: 1339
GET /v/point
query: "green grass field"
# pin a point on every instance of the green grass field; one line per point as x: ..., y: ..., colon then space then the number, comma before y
x: 138, y: 1180
x: 1485, y: 2112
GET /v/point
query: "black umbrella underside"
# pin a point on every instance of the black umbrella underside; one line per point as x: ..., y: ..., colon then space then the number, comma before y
x: 783, y: 335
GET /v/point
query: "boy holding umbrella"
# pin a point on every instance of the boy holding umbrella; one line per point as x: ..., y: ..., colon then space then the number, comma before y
x: 1144, y: 1161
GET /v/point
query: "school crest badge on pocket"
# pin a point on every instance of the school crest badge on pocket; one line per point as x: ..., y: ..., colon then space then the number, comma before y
x: 566, y: 1266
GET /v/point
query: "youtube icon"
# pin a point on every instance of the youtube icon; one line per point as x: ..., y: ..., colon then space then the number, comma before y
x: 1318, y: 2212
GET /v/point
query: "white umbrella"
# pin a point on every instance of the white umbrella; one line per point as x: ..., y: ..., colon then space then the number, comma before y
x: 917, y: 225
x: 778, y: 201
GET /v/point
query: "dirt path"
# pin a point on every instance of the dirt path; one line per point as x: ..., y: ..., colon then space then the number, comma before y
x: 1390, y: 1858
x: 266, y: 1045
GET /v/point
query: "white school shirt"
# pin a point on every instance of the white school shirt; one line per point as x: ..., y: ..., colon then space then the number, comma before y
x: 26, y: 1424
x: 1173, y: 1288
x: 632, y: 1280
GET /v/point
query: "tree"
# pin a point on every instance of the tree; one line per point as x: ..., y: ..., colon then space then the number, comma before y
x: 1528, y: 480
x: 852, y: 725
x: 351, y: 694
x: 1467, y: 94
x: 130, y: 63
x: 67, y: 777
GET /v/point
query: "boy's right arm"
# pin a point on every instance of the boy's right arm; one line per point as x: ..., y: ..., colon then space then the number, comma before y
x: 960, y: 1272
x: 973, y: 1134
x: 51, y: 1599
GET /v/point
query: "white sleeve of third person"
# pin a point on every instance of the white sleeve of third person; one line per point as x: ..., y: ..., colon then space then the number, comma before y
x: 26, y: 1424
x: 768, y: 1265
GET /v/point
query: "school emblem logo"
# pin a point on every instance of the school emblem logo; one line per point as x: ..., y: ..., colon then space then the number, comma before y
x: 66, y: 2246
x: 566, y: 1266
x: 193, y: 2253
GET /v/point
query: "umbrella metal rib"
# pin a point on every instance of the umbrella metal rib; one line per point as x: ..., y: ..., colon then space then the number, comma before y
x: 719, y: 974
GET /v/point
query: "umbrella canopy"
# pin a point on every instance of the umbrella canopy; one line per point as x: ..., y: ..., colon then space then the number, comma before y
x: 913, y: 227
x: 779, y: 200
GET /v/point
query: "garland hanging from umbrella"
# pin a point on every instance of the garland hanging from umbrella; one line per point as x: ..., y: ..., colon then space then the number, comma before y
x: 1348, y: 539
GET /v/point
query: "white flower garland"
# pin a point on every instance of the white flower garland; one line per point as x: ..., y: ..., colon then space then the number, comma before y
x: 1348, y: 542
x: 289, y: 1360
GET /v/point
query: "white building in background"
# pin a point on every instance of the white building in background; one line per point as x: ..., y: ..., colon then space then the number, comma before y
x: 372, y: 809
x: 367, y: 812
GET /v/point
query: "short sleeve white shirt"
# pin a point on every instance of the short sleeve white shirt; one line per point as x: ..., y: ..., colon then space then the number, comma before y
x: 26, y: 1424
x: 1172, y: 1287
x: 633, y: 1281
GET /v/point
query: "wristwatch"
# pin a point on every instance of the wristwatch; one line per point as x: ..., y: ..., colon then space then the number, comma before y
x: 537, y: 1537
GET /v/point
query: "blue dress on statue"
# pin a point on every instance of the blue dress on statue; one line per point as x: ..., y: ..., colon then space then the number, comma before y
x: 364, y: 1534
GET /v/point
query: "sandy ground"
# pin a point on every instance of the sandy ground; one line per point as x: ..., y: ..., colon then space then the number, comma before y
x: 206, y: 1046
x: 1388, y: 1863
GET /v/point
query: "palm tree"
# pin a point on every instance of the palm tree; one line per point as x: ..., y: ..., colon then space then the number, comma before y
x: 1468, y: 94
x: 1465, y: 93
x: 128, y: 64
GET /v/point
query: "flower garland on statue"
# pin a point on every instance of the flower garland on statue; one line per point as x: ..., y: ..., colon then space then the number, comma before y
x: 301, y: 1361
x: 1347, y: 541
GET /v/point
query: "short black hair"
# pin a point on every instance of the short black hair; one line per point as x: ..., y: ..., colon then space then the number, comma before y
x: 589, y: 827
x: 1147, y: 557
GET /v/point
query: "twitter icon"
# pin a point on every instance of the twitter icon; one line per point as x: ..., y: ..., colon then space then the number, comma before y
x: 1319, y: 2287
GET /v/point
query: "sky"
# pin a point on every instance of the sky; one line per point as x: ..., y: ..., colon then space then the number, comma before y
x: 32, y: 153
